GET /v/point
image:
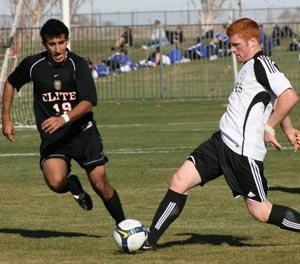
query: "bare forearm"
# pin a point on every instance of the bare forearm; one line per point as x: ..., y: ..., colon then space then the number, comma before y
x: 80, y: 110
x: 285, y: 103
x: 51, y: 124
x: 7, y: 99
x: 286, y: 124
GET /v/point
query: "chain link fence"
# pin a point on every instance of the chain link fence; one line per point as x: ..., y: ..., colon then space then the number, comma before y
x: 203, y: 73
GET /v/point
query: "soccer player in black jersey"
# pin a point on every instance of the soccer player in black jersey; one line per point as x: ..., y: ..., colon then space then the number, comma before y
x: 64, y: 94
x: 261, y: 99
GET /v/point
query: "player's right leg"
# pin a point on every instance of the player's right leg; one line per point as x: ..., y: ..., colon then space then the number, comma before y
x: 204, y: 161
x: 186, y: 177
x: 56, y: 172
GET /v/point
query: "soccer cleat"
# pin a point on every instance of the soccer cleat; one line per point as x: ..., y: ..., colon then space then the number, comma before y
x: 148, y: 246
x: 83, y: 198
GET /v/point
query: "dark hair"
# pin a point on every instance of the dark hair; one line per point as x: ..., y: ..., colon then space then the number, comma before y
x: 53, y: 28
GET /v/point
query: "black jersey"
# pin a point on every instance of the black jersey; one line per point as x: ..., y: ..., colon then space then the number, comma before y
x: 57, y: 89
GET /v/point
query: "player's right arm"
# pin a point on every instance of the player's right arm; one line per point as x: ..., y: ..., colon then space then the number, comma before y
x: 7, y: 100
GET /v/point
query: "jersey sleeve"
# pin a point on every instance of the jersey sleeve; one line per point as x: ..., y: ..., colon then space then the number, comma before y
x: 21, y: 74
x: 268, y: 75
x: 85, y: 83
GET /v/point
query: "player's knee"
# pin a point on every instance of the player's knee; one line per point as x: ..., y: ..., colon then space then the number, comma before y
x: 260, y: 213
x: 57, y: 185
x: 260, y: 216
x: 178, y: 184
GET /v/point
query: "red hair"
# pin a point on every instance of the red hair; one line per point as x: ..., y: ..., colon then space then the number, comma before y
x: 245, y: 27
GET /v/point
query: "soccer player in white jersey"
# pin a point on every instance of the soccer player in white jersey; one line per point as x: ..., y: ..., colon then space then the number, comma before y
x: 261, y: 99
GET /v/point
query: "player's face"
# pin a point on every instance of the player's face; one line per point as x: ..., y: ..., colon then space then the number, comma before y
x: 240, y: 48
x: 57, y: 48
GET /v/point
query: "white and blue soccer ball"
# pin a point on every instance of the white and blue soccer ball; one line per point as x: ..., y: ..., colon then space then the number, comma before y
x: 130, y: 235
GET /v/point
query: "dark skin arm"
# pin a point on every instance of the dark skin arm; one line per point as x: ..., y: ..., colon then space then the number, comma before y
x: 53, y: 123
x: 8, y: 129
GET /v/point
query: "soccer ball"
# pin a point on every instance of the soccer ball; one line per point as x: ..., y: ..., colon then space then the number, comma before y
x: 130, y: 235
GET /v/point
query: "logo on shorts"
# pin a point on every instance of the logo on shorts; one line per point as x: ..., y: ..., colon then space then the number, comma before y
x: 57, y: 85
x: 251, y: 194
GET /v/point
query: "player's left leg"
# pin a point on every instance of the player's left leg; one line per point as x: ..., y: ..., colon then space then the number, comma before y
x: 282, y: 216
x: 106, y: 191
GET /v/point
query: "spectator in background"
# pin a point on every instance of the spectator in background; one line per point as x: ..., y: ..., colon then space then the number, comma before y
x: 276, y: 34
x: 158, y: 36
x: 265, y: 42
x: 176, y: 36
x: 92, y: 67
x: 126, y: 63
x: 154, y: 59
x: 125, y: 39
x: 114, y: 61
x: 176, y: 56
x: 102, y: 69
x: 218, y: 47
x: 196, y: 52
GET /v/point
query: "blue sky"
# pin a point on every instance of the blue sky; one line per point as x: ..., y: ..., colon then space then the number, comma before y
x: 155, y: 5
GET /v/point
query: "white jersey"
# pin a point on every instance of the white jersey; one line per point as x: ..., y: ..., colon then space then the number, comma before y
x: 257, y: 85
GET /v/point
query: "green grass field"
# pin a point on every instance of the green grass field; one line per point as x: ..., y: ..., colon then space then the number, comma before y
x: 145, y: 141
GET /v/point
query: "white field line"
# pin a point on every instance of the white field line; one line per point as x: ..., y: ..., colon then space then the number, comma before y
x: 134, y: 124
x: 141, y: 150
x: 130, y: 151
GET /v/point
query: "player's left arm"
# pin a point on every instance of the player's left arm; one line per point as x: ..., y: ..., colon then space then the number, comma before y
x: 53, y: 123
x: 292, y: 133
x: 284, y: 104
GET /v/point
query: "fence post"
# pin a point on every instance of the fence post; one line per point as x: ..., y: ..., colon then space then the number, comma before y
x: 161, y: 72
x: 161, y: 78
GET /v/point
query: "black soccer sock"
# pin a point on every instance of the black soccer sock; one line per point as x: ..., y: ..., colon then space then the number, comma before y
x: 73, y: 185
x: 167, y: 212
x: 114, y: 207
x: 285, y: 218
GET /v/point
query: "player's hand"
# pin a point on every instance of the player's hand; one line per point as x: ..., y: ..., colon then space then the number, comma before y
x: 271, y: 139
x: 8, y: 130
x: 51, y: 124
x: 294, y: 138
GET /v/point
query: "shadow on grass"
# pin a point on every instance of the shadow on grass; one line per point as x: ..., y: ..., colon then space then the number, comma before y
x: 211, y: 239
x: 43, y: 233
x: 285, y: 189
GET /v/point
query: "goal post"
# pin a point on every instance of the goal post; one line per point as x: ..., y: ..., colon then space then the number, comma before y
x: 21, y: 43
x: 11, y: 41
x: 66, y: 16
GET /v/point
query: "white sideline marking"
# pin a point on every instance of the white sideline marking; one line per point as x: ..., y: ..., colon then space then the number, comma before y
x: 117, y: 151
x: 18, y: 154
x: 131, y: 125
x: 128, y: 151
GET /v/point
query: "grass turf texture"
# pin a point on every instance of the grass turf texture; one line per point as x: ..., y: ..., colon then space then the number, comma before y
x: 145, y: 142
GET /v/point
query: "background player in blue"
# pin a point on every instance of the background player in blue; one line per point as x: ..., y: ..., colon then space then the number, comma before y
x: 261, y: 99
x: 64, y: 94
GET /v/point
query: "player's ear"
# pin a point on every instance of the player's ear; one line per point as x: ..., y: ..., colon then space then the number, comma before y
x: 252, y: 42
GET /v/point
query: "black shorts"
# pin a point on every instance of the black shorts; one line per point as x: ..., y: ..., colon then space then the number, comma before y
x: 245, y: 176
x: 86, y: 148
